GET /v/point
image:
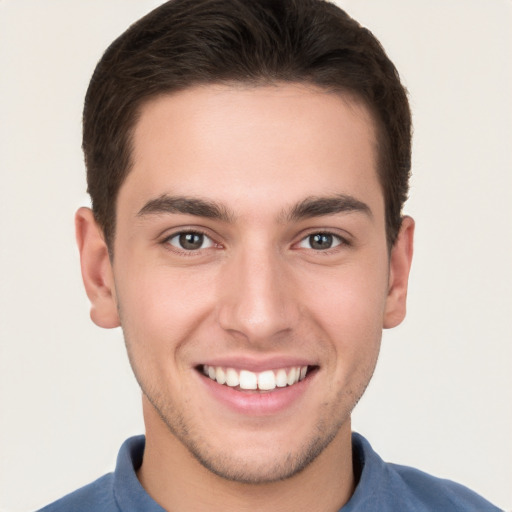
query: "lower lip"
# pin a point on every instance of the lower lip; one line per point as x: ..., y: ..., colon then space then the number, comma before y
x: 254, y: 403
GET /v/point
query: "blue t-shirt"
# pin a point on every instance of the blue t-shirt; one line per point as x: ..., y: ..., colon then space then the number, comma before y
x: 382, y: 487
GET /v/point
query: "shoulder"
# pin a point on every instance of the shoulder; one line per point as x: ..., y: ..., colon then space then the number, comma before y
x: 98, y: 496
x: 390, y: 487
x: 432, y: 493
x: 113, y: 492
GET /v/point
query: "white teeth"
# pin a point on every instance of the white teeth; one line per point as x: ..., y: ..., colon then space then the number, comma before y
x: 265, y: 381
x: 281, y: 378
x: 248, y: 380
x: 291, y: 377
x: 232, y: 379
x: 220, y: 375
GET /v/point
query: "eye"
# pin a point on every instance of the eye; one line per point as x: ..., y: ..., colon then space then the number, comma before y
x: 190, y: 241
x: 320, y: 241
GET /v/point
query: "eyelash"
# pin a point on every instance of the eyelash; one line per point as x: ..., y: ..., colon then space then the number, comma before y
x: 341, y: 241
x: 188, y: 252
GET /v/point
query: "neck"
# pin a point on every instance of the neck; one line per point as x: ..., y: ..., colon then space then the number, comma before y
x: 177, y: 481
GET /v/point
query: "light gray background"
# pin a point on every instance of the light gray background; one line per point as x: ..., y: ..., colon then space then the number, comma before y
x: 441, y: 398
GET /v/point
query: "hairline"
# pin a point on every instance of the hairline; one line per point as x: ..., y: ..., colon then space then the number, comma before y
x: 349, y: 96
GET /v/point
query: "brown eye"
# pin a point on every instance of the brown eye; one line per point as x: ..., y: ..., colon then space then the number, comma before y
x: 190, y: 241
x: 320, y: 241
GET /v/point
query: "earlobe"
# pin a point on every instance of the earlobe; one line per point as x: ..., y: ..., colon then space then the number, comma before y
x: 96, y: 270
x: 399, y: 267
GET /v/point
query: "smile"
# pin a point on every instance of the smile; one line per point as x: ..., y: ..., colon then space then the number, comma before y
x: 248, y: 380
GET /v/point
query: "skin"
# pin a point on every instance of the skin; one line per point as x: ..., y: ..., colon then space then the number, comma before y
x: 256, y: 288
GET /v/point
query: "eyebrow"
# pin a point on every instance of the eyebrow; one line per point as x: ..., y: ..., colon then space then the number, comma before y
x: 307, y: 208
x: 185, y: 205
x: 330, y: 205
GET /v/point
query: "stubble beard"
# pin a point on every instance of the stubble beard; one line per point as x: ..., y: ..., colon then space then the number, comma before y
x: 269, y: 469
x: 237, y: 469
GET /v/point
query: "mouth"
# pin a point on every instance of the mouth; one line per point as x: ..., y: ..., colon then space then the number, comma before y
x: 264, y: 381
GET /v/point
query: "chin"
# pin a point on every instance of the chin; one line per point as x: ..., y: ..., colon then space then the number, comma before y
x: 260, y: 466
x: 256, y: 458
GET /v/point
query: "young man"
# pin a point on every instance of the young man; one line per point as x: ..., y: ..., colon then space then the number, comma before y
x: 248, y: 162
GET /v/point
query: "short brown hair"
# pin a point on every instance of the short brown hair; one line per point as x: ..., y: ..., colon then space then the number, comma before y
x: 184, y: 43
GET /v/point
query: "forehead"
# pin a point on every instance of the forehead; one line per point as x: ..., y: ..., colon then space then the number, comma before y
x: 240, y: 144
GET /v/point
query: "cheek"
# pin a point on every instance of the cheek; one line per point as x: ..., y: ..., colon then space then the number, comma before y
x: 160, y: 308
x: 353, y: 297
x: 349, y: 306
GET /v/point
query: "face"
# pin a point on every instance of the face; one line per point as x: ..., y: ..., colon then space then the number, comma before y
x: 251, y: 274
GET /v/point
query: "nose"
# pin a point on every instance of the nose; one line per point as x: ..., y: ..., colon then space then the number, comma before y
x: 257, y: 297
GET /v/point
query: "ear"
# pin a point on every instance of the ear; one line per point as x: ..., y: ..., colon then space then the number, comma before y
x: 399, y: 266
x: 96, y: 268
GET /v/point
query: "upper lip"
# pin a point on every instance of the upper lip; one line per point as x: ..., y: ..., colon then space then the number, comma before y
x: 257, y: 364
